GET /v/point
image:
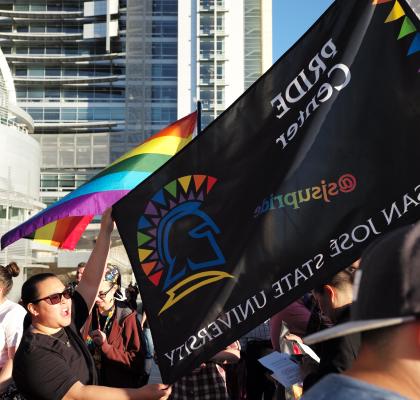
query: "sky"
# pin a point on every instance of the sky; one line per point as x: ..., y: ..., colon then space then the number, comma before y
x: 291, y: 19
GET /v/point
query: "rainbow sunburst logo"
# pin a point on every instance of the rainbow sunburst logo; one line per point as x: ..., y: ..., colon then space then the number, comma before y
x: 177, y: 240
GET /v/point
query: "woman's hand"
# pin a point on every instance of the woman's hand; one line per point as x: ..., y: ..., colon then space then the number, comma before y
x: 107, y: 223
x: 98, y: 337
x: 291, y: 336
x: 157, y: 391
x: 95, y: 267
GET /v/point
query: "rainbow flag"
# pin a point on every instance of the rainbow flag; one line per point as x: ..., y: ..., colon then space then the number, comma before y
x: 62, y: 223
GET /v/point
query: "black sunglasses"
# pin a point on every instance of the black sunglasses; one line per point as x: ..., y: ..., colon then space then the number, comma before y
x: 56, y: 297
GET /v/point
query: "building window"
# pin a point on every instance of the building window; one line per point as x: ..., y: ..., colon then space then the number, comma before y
x: 206, y: 24
x: 52, y: 114
x: 164, y: 50
x: 16, y: 214
x: 35, y: 93
x: 206, y: 118
x: 165, y: 29
x: 165, y: 7
x: 220, y: 71
x: 36, y: 113
x: 49, y: 181
x: 36, y: 71
x: 163, y: 115
x: 36, y: 50
x: 52, y: 93
x: 165, y: 93
x: 21, y: 50
x: 52, y: 71
x: 206, y: 48
x: 22, y: 29
x: 164, y: 71
x: 53, y: 50
x: 21, y: 71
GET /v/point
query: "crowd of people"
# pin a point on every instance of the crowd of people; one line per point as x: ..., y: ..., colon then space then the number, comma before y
x: 88, y: 339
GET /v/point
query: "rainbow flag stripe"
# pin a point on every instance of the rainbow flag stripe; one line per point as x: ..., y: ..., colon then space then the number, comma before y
x: 62, y: 223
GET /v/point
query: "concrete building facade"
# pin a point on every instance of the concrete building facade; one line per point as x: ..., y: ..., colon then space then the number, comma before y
x: 19, y: 173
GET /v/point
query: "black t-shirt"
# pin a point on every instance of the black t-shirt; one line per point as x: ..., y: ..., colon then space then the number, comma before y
x: 45, y: 367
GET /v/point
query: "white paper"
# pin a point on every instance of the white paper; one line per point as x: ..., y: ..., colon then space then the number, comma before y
x: 285, y: 371
x: 305, y: 349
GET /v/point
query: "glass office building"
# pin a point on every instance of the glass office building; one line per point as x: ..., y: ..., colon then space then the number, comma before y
x: 94, y: 95
x: 179, y: 52
x: 68, y: 62
x: 19, y: 173
x: 99, y: 77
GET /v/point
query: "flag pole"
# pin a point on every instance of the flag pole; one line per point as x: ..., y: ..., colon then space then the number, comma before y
x: 198, y: 117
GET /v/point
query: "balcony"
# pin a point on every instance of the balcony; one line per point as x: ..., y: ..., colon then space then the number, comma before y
x: 41, y: 15
x: 76, y: 125
x: 211, y: 104
x: 206, y: 8
x: 54, y: 81
x: 59, y: 58
x: 206, y: 82
x: 206, y: 32
x: 211, y: 8
x: 221, y: 32
x: 207, y: 104
x: 39, y: 36
x: 211, y: 55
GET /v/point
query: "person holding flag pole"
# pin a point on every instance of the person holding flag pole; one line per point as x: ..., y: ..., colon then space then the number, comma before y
x: 52, y: 361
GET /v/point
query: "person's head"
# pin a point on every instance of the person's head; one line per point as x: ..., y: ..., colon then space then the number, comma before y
x: 79, y: 272
x: 386, y: 342
x: 108, y: 287
x: 7, y: 273
x: 47, y: 301
x: 336, y: 293
x: 386, y: 307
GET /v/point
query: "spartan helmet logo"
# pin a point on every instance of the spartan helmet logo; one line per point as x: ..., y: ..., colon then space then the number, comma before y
x: 177, y: 240
x: 203, y: 232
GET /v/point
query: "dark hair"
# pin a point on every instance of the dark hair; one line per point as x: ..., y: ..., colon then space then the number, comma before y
x: 340, y: 280
x: 380, y: 338
x: 6, y: 274
x: 81, y: 265
x: 30, y: 287
x: 30, y: 293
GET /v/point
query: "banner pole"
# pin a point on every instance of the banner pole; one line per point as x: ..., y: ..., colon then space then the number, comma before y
x: 198, y: 117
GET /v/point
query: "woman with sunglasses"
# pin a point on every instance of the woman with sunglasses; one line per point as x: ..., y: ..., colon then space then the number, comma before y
x: 113, y: 335
x: 52, y: 361
x: 11, y: 319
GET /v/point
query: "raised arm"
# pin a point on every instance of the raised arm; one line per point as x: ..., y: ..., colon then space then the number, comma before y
x: 95, y: 267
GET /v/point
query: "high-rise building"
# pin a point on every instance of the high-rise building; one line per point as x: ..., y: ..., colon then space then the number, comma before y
x: 19, y: 171
x: 179, y: 52
x: 99, y: 77
x: 68, y: 62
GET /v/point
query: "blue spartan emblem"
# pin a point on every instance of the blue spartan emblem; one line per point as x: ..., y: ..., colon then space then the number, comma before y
x: 172, y: 229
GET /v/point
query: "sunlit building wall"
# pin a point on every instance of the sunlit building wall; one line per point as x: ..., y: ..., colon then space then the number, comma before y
x: 68, y: 62
x: 19, y: 173
x: 179, y: 52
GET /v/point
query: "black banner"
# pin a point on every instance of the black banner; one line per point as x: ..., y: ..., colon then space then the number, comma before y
x: 285, y: 188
